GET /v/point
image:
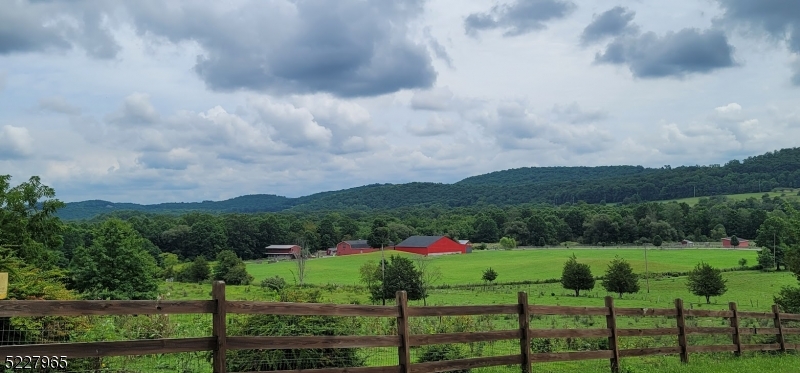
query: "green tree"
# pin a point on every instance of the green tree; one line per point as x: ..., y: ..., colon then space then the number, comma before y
x: 706, y: 281
x: 115, y: 266
x: 657, y: 241
x: 619, y: 278
x: 508, y: 243
x: 379, y: 235
x: 231, y: 269
x: 489, y: 275
x: 370, y: 275
x: 28, y: 225
x: 197, y: 271
x: 485, y: 229
x: 168, y: 263
x: 577, y: 276
x: 765, y: 259
x: 327, y: 233
x: 400, y: 274
x: 734, y: 241
x: 743, y: 263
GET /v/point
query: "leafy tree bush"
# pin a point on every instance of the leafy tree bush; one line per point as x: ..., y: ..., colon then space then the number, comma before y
x: 706, y: 281
x: 508, y: 243
x: 657, y: 241
x: 577, y: 276
x: 734, y: 241
x: 489, y: 275
x: 231, y: 269
x: 115, y: 266
x: 401, y: 274
x: 197, y: 271
x: 440, y: 353
x: 276, y: 283
x: 743, y: 263
x: 619, y: 278
x: 293, y: 359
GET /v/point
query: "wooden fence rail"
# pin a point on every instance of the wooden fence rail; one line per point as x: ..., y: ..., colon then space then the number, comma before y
x: 219, y: 342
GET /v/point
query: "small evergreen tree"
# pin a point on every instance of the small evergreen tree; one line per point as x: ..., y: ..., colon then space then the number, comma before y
x: 619, y: 278
x: 577, y: 276
x: 489, y: 275
x: 765, y: 259
x: 401, y: 274
x: 706, y: 281
x: 734, y: 241
x: 743, y: 263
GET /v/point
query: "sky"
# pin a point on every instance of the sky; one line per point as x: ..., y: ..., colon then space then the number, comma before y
x: 151, y: 101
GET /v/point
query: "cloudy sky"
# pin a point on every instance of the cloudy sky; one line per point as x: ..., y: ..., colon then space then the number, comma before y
x: 138, y: 101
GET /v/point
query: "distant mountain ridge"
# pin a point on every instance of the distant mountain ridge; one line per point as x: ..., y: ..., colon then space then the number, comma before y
x: 552, y: 185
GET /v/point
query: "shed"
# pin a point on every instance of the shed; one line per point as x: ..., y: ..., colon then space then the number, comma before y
x: 726, y: 242
x: 354, y: 247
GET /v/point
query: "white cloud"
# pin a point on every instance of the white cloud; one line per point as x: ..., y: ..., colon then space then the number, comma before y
x: 136, y: 110
x: 438, y: 98
x: 58, y: 104
x: 291, y: 125
x: 15, y: 142
x: 435, y: 125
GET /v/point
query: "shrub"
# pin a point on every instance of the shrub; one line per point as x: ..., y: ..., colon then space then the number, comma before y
x: 197, y: 271
x: 276, y: 283
x: 441, y: 352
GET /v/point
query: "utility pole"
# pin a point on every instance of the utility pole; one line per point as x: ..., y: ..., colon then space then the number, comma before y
x: 383, y: 276
x: 646, y: 272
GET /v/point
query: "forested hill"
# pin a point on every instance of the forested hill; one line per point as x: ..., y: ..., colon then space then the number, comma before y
x: 551, y: 185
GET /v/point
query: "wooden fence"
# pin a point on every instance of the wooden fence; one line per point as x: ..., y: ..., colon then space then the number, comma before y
x: 220, y: 342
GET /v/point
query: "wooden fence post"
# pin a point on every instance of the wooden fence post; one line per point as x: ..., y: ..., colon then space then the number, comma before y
x: 779, y: 325
x: 613, y: 339
x: 525, y: 330
x: 404, y: 350
x: 737, y: 340
x: 681, y: 320
x: 219, y: 325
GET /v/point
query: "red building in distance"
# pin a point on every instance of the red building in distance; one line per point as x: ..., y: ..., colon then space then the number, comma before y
x: 726, y: 242
x: 431, y: 245
x: 351, y: 247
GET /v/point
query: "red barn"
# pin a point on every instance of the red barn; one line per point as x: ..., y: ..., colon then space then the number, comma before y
x: 352, y: 247
x: 431, y: 245
x: 279, y: 252
x: 726, y: 242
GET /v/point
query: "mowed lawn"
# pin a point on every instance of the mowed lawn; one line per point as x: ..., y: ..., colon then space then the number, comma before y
x: 511, y: 265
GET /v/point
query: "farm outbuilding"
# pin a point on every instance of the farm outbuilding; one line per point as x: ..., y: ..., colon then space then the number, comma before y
x: 282, y: 252
x: 352, y: 247
x: 467, y: 244
x: 431, y: 245
x: 726, y: 242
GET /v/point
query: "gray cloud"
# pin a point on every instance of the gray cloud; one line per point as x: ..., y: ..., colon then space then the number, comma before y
x: 780, y: 19
x: 573, y: 114
x: 613, y: 22
x: 438, y: 49
x: 518, y: 18
x: 347, y: 48
x: 57, y: 104
x: 675, y: 54
x: 2, y: 81
x: 136, y: 110
x: 436, y: 99
x: 43, y: 25
x: 435, y: 126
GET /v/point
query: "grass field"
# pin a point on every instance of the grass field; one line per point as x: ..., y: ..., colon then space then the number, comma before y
x: 511, y: 265
x: 788, y: 195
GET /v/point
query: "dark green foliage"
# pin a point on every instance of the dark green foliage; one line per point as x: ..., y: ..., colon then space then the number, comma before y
x: 293, y: 359
x: 489, y: 275
x: 231, y: 269
x: 743, y: 263
x: 789, y: 299
x: 619, y: 278
x: 115, y: 266
x: 400, y: 274
x: 542, y: 345
x: 379, y: 235
x: 577, y: 276
x: 706, y: 281
x: 734, y: 241
x: 485, y: 229
x: 276, y: 283
x: 197, y: 271
x: 765, y: 259
x: 441, y: 353
x: 657, y: 241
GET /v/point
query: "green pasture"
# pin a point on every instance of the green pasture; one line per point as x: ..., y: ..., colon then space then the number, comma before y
x: 790, y: 195
x: 511, y: 265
